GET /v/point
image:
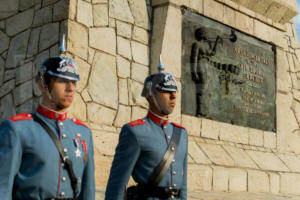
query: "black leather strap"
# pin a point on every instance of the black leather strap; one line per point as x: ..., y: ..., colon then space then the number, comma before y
x: 165, y: 162
x: 66, y: 160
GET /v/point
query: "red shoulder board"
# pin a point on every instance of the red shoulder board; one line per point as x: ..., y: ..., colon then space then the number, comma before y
x: 77, y: 121
x: 137, y: 122
x: 19, y: 117
x: 177, y: 125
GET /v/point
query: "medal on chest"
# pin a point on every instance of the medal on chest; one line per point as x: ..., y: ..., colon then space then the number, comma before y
x: 77, y: 145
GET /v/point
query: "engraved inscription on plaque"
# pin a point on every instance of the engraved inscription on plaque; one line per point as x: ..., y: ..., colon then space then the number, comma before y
x: 227, y: 75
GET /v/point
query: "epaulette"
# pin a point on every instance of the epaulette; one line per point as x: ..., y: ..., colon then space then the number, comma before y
x: 22, y: 116
x: 77, y: 121
x: 177, y: 125
x: 137, y: 122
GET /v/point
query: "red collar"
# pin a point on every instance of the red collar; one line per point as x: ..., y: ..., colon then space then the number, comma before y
x: 51, y: 113
x: 157, y: 119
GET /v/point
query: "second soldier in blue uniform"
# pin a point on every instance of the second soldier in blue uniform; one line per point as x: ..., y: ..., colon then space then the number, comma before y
x: 30, y: 164
x: 143, y: 143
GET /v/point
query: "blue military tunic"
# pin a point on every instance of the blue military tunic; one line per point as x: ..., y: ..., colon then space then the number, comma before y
x: 142, y: 144
x: 31, y: 167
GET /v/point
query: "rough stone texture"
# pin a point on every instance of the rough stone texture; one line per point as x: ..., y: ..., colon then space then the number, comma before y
x: 123, y: 91
x: 100, y: 14
x: 85, y: 13
x: 286, y: 141
x: 135, y: 90
x: 27, y: 4
x: 48, y: 2
x: 72, y: 9
x: 140, y: 35
x: 19, y: 22
x: 91, y: 55
x: 54, y: 51
x: 267, y: 161
x: 77, y: 40
x: 103, y: 83
x: 139, y: 72
x: 244, y: 22
x: 217, y: 154
x: 237, y: 180
x: 232, y: 133
x: 199, y: 178
x: 33, y: 42
x: 197, y: 154
x: 112, y: 22
x: 8, y: 8
x: 102, y: 169
x: 123, y: 116
x: 60, y: 10
x: 84, y: 71
x: 42, y: 16
x: 192, y: 124
x: 123, y: 46
x: 26, y: 107
x: 240, y: 157
x: 289, y: 183
x: 123, y: 67
x: 4, y: 42
x: 49, y: 35
x: 17, y: 49
x: 213, y: 9
x: 7, y: 108
x: 86, y: 96
x: 171, y: 49
x: 22, y: 92
x: 140, y: 53
x: 108, y: 44
x: 119, y: 9
x: 258, y: 181
x: 197, y: 5
x: 274, y: 183
x: 270, y: 140
x: 7, y: 87
x: 220, y: 179
x: 256, y: 137
x: 9, y: 74
x: 140, y: 13
x: 291, y: 161
x: 229, y: 16
x: 123, y: 29
x: 1, y: 70
x: 100, y: 115
x: 24, y: 73
x: 105, y: 142
x: 210, y: 129
x: 78, y: 108
x: 138, y: 112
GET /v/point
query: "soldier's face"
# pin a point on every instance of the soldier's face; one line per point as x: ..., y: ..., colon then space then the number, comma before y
x: 62, y: 93
x: 166, y: 101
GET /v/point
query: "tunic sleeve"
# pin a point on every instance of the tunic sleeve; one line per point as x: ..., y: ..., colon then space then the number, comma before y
x: 126, y: 155
x: 10, y: 158
x: 184, y: 186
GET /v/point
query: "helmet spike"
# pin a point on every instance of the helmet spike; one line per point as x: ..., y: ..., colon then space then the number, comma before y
x: 62, y: 47
x: 160, y: 65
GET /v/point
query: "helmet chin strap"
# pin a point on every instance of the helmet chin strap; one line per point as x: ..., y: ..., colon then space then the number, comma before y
x: 49, y: 94
x: 156, y: 103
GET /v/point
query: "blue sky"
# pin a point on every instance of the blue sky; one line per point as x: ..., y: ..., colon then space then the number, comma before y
x: 297, y: 20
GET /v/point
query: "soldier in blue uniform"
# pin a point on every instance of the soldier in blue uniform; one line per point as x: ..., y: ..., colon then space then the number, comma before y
x: 143, y: 142
x: 31, y: 167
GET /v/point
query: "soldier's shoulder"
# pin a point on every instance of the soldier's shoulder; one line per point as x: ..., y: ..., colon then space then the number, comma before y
x: 177, y: 125
x: 21, y: 117
x: 137, y: 122
x: 78, y: 122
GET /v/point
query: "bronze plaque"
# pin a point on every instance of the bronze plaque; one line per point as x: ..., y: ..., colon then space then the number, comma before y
x: 227, y: 75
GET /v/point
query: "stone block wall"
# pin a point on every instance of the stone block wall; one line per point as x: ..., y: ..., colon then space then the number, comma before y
x: 29, y: 33
x: 116, y: 44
